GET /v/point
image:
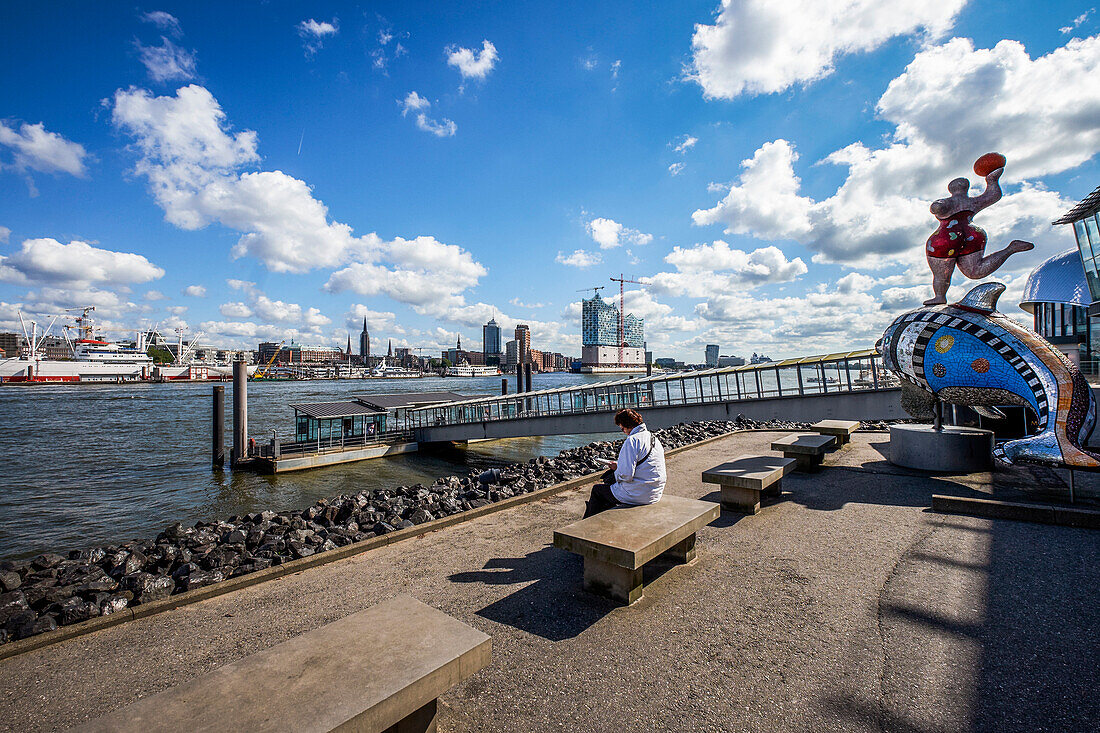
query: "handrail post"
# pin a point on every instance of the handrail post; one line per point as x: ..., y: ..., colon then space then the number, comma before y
x: 759, y: 387
x: 778, y: 382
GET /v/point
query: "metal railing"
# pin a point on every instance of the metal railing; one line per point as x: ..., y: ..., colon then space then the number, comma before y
x: 813, y: 375
x: 334, y: 444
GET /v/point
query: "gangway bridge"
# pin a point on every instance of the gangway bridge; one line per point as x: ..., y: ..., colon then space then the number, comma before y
x: 852, y: 385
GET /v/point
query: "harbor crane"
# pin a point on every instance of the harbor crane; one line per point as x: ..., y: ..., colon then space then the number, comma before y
x: 621, y: 280
x: 595, y: 291
x: 263, y: 372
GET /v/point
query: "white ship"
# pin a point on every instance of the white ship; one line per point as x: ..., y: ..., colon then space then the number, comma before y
x: 466, y: 369
x: 388, y: 371
x: 93, y: 359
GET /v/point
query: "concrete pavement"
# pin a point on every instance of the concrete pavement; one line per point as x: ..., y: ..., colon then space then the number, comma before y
x: 845, y: 604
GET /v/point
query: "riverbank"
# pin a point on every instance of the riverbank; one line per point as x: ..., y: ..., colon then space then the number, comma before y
x: 843, y: 605
x: 41, y: 594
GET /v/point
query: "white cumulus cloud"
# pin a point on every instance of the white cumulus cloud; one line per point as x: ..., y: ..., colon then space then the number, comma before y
x: 76, y: 264
x: 609, y: 233
x: 473, y: 64
x: 195, y: 291
x: 760, y: 46
x: 579, y: 258
x: 35, y: 147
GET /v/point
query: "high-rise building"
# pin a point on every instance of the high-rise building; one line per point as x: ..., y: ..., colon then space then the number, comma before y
x: 600, y: 338
x: 511, y: 353
x: 712, y: 355
x: 523, y: 336
x: 364, y: 342
x: 490, y: 339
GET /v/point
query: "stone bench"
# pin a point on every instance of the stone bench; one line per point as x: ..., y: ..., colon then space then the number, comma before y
x: 615, y: 544
x: 745, y: 478
x: 840, y: 429
x: 381, y: 669
x: 807, y: 449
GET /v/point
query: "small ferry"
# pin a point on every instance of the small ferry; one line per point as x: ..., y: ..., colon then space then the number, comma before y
x: 466, y: 369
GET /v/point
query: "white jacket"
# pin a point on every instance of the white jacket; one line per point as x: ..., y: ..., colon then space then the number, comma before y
x: 644, y: 482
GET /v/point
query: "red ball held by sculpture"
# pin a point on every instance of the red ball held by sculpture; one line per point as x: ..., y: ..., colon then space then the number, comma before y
x: 988, y: 163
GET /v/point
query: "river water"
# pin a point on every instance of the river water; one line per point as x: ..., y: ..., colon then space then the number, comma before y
x: 85, y: 465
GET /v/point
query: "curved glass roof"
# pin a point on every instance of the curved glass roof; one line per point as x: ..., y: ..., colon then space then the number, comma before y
x: 1061, y: 279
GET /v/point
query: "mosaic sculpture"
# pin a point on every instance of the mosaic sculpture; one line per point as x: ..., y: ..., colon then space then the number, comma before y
x: 970, y: 354
x: 957, y: 241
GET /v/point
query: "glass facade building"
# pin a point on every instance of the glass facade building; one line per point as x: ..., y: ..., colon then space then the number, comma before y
x: 600, y: 325
x: 490, y: 338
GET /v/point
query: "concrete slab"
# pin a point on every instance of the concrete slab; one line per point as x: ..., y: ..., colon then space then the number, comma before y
x: 366, y: 672
x: 813, y: 444
x: 842, y: 429
x: 750, y: 472
x: 808, y: 449
x: 629, y: 537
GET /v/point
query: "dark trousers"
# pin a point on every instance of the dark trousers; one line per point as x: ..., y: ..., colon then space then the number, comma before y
x: 601, y: 500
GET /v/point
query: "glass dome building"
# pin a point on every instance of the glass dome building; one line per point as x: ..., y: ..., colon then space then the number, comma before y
x: 1057, y: 296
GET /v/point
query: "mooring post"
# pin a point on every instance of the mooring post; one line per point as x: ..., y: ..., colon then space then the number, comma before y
x: 218, y: 438
x: 504, y: 386
x: 519, y: 375
x: 527, y: 378
x: 649, y: 369
x: 240, y: 412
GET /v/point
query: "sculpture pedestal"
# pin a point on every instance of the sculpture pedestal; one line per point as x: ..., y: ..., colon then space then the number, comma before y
x: 950, y: 450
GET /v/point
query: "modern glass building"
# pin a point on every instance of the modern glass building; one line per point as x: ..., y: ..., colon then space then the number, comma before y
x: 600, y: 325
x: 712, y: 355
x: 1086, y: 228
x: 490, y: 339
x: 1058, y: 298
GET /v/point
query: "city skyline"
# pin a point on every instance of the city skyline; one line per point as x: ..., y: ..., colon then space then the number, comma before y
x: 260, y: 173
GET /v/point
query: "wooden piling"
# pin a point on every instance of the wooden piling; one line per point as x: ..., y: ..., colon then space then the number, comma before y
x: 240, y: 412
x: 217, y: 442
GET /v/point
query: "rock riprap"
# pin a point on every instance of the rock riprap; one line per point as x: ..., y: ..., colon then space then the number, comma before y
x: 52, y: 590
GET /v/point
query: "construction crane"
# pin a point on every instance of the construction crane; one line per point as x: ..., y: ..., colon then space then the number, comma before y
x: 595, y: 291
x: 263, y: 373
x: 620, y: 279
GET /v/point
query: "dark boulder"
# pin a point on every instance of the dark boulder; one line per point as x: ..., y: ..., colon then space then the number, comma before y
x: 46, y: 560
x: 147, y: 587
x: 75, y: 610
x: 20, y: 624
x: 9, y: 581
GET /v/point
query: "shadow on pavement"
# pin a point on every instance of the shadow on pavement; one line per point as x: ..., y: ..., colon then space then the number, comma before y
x: 554, y: 607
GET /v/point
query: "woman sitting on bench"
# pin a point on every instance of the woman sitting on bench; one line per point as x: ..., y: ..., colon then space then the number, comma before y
x: 638, y: 476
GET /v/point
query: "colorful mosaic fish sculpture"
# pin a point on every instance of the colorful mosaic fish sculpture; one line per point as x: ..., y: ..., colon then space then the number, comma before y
x: 970, y: 354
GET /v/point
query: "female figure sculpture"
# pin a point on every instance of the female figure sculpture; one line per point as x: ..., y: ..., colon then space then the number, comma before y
x: 957, y: 241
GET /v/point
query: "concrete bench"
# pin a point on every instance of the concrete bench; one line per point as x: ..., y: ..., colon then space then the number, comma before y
x: 841, y: 429
x: 381, y: 669
x: 615, y: 544
x: 807, y: 449
x: 745, y: 478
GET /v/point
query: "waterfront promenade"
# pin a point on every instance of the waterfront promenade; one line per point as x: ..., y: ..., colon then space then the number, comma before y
x: 846, y: 605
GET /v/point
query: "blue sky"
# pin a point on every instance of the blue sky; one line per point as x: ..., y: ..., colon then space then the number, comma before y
x: 260, y: 171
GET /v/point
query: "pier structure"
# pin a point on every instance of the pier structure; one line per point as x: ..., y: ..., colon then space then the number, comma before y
x: 330, y: 433
x: 851, y: 385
